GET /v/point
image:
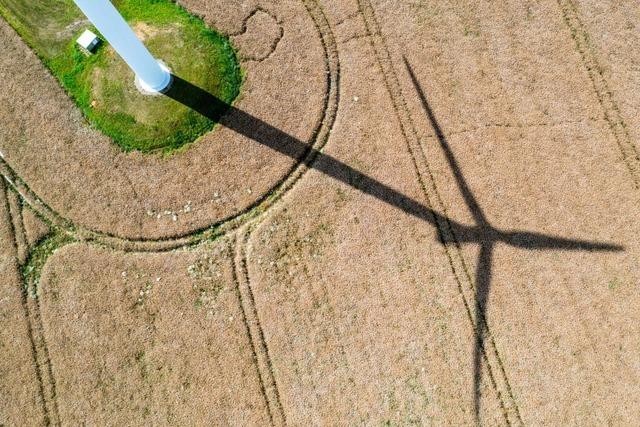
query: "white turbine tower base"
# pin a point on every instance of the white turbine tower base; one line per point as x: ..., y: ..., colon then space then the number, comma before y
x: 152, y: 76
x: 148, y: 90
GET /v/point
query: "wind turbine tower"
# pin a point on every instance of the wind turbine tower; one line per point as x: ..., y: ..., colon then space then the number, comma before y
x: 151, y: 75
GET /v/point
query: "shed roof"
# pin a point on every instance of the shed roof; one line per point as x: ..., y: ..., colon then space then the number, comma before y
x: 87, y: 40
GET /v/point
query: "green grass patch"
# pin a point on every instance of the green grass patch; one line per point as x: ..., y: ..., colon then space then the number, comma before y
x: 103, y: 86
x: 32, y: 269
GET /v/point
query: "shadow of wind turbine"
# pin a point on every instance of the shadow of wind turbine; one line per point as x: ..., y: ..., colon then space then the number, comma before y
x: 487, y: 236
x: 482, y: 233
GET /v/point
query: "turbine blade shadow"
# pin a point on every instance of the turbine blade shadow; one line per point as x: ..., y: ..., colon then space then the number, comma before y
x: 527, y: 239
x: 538, y: 241
x: 466, y: 192
x: 482, y: 288
x: 487, y: 236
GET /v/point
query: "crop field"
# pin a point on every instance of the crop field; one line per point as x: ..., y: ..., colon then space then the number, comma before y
x: 363, y: 212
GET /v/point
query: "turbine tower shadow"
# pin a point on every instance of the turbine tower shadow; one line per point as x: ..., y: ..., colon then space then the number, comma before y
x: 483, y: 233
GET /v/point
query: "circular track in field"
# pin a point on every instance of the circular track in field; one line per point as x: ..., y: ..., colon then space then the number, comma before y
x: 82, y: 181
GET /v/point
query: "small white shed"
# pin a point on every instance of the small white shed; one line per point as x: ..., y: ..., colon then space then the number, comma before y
x: 88, y: 41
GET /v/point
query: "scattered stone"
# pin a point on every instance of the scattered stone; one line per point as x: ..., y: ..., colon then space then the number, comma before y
x: 144, y: 292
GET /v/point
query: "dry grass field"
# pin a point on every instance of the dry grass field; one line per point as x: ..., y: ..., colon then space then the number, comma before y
x: 415, y: 213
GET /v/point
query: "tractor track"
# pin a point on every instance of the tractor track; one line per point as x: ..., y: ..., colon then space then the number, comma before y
x: 255, y: 332
x: 251, y: 215
x: 245, y: 293
x: 612, y: 115
x: 40, y: 359
x: 497, y: 373
x: 320, y: 134
x: 257, y: 212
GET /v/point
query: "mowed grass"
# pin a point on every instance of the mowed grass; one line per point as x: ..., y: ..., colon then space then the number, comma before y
x: 103, y: 86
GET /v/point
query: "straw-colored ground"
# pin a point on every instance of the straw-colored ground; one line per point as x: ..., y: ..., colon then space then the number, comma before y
x: 418, y: 213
